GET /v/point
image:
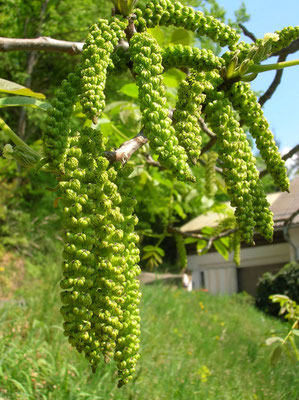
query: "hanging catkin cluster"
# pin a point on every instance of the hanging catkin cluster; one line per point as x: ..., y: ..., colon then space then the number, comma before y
x: 101, y: 294
x: 250, y: 111
x: 100, y: 291
x: 187, y: 113
x: 147, y: 65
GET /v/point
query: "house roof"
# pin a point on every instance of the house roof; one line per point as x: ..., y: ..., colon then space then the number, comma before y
x: 282, y: 204
x: 287, y: 204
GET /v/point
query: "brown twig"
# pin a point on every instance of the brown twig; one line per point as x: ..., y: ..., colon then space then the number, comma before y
x: 290, y: 49
x: 276, y: 81
x: 217, y: 169
x: 288, y: 155
x: 171, y: 229
x: 205, y: 128
x: 247, y: 32
x: 125, y: 151
x: 153, y: 163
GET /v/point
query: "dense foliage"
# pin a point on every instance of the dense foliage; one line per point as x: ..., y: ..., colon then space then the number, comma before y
x: 285, y: 282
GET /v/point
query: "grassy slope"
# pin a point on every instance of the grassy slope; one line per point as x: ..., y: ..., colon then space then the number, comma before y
x: 194, y: 346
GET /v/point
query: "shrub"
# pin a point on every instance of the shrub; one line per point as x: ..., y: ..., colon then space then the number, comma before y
x: 285, y: 282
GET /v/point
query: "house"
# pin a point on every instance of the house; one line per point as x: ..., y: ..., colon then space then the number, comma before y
x: 212, y: 272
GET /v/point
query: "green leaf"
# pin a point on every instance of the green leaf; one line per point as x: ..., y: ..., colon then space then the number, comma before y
x: 158, y: 258
x: 221, y: 248
x: 166, y: 182
x: 19, y: 101
x: 149, y: 248
x: 207, y: 230
x: 14, y: 88
x: 201, y: 244
x: 181, y: 36
x: 147, y: 255
x: 115, y: 104
x: 276, y: 354
x: 189, y: 240
x: 154, y: 249
x: 130, y: 89
x: 178, y: 209
x: 160, y: 251
x: 296, y: 332
x: 173, y: 77
x: 225, y: 241
x: 158, y: 34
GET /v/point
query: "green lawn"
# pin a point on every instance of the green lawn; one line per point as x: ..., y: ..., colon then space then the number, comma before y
x: 194, y: 346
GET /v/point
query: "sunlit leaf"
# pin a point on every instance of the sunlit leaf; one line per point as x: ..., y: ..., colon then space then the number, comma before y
x: 19, y: 101
x: 14, y: 88
x: 181, y: 36
x: 190, y: 240
x: 221, y: 248
x: 201, y: 244
x: 130, y: 89
x: 158, y: 34
x: 178, y: 209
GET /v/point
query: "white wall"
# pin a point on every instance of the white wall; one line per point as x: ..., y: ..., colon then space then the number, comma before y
x: 216, y: 281
x: 221, y: 276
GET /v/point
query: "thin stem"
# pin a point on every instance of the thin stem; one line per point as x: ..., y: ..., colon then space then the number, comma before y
x: 12, y: 136
x: 270, y: 67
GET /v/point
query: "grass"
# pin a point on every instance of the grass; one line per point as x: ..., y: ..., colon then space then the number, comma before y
x: 194, y: 346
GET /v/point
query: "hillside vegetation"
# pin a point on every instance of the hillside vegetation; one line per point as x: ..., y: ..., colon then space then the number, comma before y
x: 194, y: 346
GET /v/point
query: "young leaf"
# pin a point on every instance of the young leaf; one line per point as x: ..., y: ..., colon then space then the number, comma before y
x: 19, y: 101
x: 220, y: 247
x: 14, y: 88
x: 181, y: 36
x: 130, y: 89
x: 276, y: 355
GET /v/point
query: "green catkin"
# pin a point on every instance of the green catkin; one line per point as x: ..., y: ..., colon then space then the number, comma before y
x: 181, y: 249
x: 147, y: 65
x: 224, y: 225
x: 240, y: 173
x: 210, y: 174
x: 286, y: 36
x: 101, y: 294
x: 190, y: 57
x: 236, y: 245
x: 165, y: 13
x: 98, y: 48
x: 55, y: 135
x: 251, y: 113
x: 127, y: 347
x: 187, y: 112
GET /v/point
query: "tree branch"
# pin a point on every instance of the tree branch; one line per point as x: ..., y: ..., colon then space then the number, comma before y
x: 290, y: 49
x: 171, y: 229
x: 276, y: 81
x: 247, y: 32
x: 217, y: 169
x: 288, y: 155
x: 40, y: 43
x: 205, y: 128
x: 153, y: 163
x: 125, y: 151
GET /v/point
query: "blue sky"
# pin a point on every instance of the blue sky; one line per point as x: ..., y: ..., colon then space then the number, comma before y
x: 282, y: 110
